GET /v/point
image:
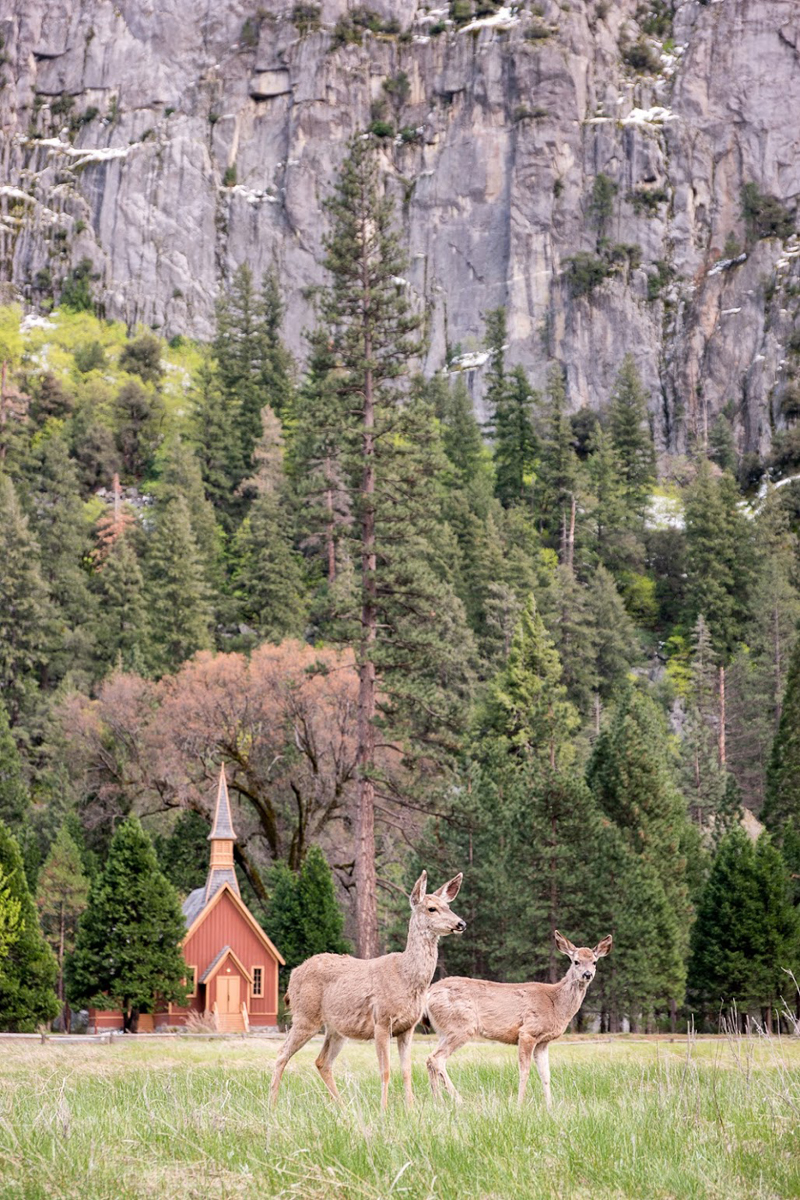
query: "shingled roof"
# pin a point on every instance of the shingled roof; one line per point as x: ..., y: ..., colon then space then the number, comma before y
x: 222, y: 827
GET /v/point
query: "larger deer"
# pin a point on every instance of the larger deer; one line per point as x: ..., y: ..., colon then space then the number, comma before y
x: 528, y: 1015
x: 373, y: 998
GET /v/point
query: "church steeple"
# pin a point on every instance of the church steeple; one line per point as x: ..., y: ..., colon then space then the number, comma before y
x: 222, y: 837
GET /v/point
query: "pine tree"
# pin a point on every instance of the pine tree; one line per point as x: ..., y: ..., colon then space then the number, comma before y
x: 64, y: 541
x: 718, y: 559
x: 631, y: 437
x: 315, y: 458
x: 139, y: 415
x: 613, y: 538
x: 781, y: 811
x: 527, y: 707
x: 61, y: 897
x: 572, y: 627
x: 495, y: 333
x: 514, y: 439
x: 28, y: 973
x: 557, y: 477
x: 648, y: 972
x: 277, y: 367
x: 304, y: 917
x: 461, y: 434
x: 253, y: 367
x: 215, y: 420
x: 123, y: 626
x: 718, y: 562
x: 183, y: 854
x: 15, y: 804
x: 615, y: 642
x: 176, y: 590
x: 181, y: 476
x: 128, y: 946
x: 712, y: 800
x: 267, y: 578
x: 10, y: 917
x: 746, y: 931
x: 26, y: 614
x: 630, y: 775
x: 411, y: 635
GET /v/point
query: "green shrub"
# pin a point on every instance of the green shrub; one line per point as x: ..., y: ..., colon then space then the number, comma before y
x: 398, y: 88
x: 306, y: 18
x: 765, y: 216
x: 80, y: 225
x: 229, y: 178
x: 537, y: 31
x: 437, y: 28
x: 409, y: 134
x: 382, y: 129
x: 731, y: 249
x: 461, y: 11
x: 640, y: 56
x: 655, y: 18
x: 585, y: 271
x: 646, y: 201
x: 657, y: 282
x: 76, y: 292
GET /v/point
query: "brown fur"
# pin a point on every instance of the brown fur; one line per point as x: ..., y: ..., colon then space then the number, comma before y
x: 528, y: 1015
x: 365, y: 999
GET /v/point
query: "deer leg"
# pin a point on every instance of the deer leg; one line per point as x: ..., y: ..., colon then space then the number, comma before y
x: 404, y: 1053
x: 525, y: 1052
x: 297, y: 1037
x: 437, y: 1062
x: 382, y: 1038
x: 326, y: 1058
x: 541, y: 1056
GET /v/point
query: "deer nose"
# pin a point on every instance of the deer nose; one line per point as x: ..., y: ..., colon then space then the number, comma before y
x: 587, y: 974
x: 461, y: 926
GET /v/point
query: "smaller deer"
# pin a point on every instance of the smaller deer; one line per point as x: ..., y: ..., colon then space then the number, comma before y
x: 528, y: 1015
x: 366, y: 998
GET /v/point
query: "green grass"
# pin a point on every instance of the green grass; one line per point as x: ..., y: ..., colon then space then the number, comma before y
x: 646, y: 1120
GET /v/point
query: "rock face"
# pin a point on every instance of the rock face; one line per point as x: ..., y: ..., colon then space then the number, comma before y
x: 169, y: 143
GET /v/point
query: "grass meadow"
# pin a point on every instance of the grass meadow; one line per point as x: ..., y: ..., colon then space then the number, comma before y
x: 708, y: 1118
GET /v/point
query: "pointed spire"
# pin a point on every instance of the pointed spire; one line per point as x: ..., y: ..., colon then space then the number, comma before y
x: 222, y: 827
x: 222, y: 837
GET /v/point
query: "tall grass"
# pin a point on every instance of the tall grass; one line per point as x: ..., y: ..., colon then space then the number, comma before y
x: 705, y: 1119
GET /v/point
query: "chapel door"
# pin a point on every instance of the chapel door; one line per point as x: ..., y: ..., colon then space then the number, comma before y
x: 228, y: 993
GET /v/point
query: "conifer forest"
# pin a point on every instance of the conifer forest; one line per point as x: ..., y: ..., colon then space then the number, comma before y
x: 527, y: 647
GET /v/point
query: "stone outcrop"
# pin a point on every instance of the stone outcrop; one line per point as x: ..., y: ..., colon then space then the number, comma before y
x: 168, y: 144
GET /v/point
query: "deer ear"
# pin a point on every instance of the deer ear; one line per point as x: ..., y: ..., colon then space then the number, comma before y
x: 449, y: 891
x: 418, y: 890
x: 564, y: 944
x: 604, y: 947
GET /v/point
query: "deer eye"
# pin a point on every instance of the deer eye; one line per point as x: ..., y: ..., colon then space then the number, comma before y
x: 431, y: 908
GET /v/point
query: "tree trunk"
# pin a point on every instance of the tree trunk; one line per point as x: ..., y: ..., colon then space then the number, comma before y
x: 553, y: 900
x: 722, y: 752
x: 571, y: 537
x: 365, y: 872
x: 329, y: 539
x: 673, y: 1016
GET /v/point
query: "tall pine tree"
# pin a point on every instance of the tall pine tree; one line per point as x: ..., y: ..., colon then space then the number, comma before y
x: 28, y: 972
x: 128, y: 946
x: 61, y: 897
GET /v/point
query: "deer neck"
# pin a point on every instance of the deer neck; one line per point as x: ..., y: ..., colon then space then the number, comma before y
x: 570, y: 995
x: 420, y: 955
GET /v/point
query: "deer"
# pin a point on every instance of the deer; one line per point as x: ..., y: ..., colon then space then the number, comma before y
x: 528, y: 1015
x: 370, y: 999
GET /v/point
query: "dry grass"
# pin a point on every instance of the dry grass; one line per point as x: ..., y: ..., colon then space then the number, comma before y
x: 174, y: 1119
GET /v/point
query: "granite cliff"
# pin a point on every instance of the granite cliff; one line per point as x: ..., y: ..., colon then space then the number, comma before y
x: 582, y: 163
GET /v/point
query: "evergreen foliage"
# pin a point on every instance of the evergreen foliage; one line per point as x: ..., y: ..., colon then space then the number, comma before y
x: 61, y: 897
x: 127, y: 951
x: 28, y: 971
x: 304, y: 917
x: 26, y: 613
x: 632, y: 439
x: 746, y: 934
x: 177, y: 593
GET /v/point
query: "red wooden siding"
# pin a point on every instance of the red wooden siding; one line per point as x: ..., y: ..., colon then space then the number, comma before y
x: 225, y: 926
